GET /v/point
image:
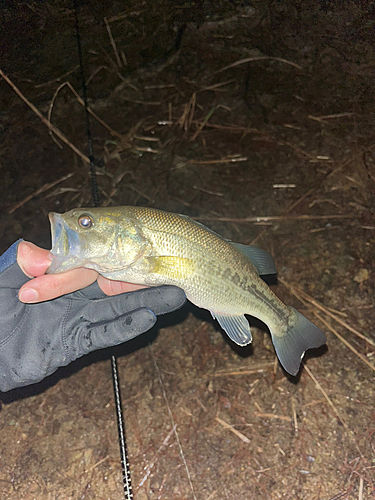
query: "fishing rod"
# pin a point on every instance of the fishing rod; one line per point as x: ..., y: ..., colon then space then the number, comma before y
x: 126, y: 477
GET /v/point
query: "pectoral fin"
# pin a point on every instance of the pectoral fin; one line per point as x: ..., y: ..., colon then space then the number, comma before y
x: 172, y: 267
x: 261, y: 259
x: 236, y: 327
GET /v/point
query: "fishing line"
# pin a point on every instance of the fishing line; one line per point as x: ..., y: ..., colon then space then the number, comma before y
x: 126, y: 478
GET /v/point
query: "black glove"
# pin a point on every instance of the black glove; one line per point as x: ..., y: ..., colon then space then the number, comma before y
x: 35, y: 339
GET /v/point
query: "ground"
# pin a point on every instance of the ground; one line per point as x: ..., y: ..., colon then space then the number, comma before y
x: 257, y: 118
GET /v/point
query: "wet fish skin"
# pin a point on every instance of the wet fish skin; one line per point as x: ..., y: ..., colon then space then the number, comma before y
x: 152, y: 247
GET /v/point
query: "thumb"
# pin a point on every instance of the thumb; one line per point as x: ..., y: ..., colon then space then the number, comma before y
x: 33, y: 260
x: 100, y: 335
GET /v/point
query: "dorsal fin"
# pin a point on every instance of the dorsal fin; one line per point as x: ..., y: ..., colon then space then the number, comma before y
x: 261, y: 259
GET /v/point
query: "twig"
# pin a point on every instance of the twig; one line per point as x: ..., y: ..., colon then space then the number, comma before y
x: 360, y: 491
x: 212, y: 495
x: 39, y: 191
x: 58, y: 79
x: 285, y: 212
x: 311, y: 190
x: 205, y: 121
x: 213, y: 193
x: 328, y: 117
x: 153, y: 461
x: 277, y: 218
x: 124, y: 15
x: 339, y: 495
x: 303, y: 153
x: 147, y: 150
x: 232, y: 429
x: 329, y: 401
x: 295, y: 290
x: 340, y: 313
x: 232, y: 159
x: 187, y: 116
x: 144, y: 103
x: 259, y: 58
x: 326, y: 397
x: 174, y: 425
x: 294, y: 413
x: 344, y: 341
x: 141, y: 193
x: 271, y: 415
x: 113, y: 43
x: 48, y: 124
x: 217, y: 85
x: 81, y: 102
x: 97, y: 463
x: 256, y: 369
x: 232, y: 128
x: 320, y: 229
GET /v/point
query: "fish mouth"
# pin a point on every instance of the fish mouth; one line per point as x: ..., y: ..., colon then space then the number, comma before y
x: 66, y: 245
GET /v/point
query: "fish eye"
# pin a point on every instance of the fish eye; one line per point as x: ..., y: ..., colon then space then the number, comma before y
x: 85, y: 221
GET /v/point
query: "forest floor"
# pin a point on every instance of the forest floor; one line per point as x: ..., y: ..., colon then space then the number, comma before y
x: 258, y: 119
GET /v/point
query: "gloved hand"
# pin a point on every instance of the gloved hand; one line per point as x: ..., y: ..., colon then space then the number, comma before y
x: 36, y: 339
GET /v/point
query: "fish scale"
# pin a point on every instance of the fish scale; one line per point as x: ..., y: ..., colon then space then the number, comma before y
x: 210, y: 284
x: 151, y: 247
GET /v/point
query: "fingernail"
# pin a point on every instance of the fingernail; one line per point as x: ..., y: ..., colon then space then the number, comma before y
x: 29, y: 295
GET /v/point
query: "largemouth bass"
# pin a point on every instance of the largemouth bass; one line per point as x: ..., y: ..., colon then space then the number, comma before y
x: 151, y: 247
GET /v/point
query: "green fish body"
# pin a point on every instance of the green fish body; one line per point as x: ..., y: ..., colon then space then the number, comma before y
x: 151, y: 247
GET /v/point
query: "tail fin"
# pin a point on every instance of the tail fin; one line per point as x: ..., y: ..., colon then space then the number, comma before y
x: 292, y: 345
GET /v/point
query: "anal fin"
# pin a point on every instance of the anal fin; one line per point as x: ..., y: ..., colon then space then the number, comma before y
x: 236, y: 327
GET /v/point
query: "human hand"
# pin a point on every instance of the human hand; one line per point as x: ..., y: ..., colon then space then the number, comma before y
x: 34, y: 261
x: 36, y: 339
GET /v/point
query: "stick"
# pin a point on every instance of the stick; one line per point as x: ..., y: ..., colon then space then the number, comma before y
x: 200, y: 128
x: 113, y: 43
x: 217, y: 85
x: 174, y: 425
x: 233, y: 128
x: 232, y: 429
x: 39, y: 191
x: 320, y: 306
x: 97, y: 463
x: 360, y: 491
x: 259, y: 58
x: 328, y: 117
x: 256, y: 369
x: 326, y: 397
x: 295, y: 421
x: 81, y: 102
x: 344, y: 341
x: 48, y: 124
x: 278, y: 218
x: 153, y: 461
x: 59, y: 78
x: 286, y: 212
x: 232, y: 159
x: 271, y: 415
x: 350, y: 432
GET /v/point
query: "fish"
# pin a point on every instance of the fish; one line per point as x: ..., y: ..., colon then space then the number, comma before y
x: 152, y: 247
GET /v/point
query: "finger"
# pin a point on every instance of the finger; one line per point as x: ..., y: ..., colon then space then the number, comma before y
x: 100, y: 335
x: 33, y: 260
x: 160, y: 300
x: 111, y: 287
x: 50, y: 286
